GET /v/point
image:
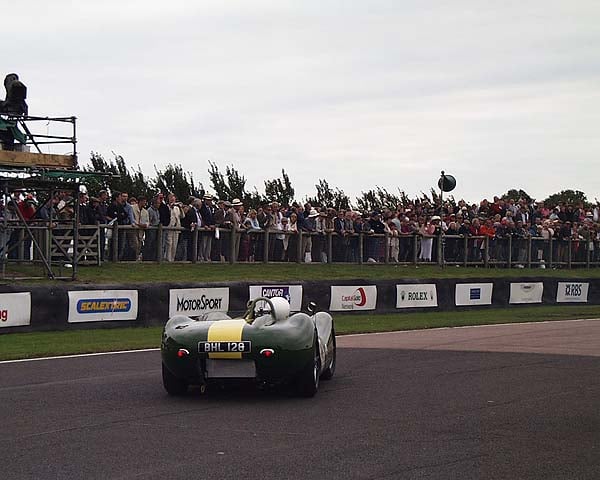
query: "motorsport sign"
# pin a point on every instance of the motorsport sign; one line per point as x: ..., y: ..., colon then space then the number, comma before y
x: 416, y: 295
x: 15, y: 309
x: 102, y: 305
x: 196, y: 301
x: 345, y: 298
x: 292, y: 293
x: 569, y: 292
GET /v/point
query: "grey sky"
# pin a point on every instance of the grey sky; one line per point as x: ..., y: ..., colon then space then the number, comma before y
x: 500, y: 94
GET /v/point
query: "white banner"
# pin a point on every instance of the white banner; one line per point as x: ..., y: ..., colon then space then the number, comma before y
x: 526, y: 292
x: 416, y: 295
x: 345, y: 298
x: 15, y: 309
x: 473, y: 294
x: 196, y: 301
x: 102, y: 305
x: 292, y: 293
x: 572, y: 292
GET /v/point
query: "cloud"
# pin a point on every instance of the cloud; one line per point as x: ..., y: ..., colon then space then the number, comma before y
x: 380, y: 93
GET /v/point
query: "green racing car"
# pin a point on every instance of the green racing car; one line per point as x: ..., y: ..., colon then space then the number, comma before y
x: 267, y: 346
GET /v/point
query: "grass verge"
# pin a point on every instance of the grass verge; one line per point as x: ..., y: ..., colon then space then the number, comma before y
x: 135, y: 273
x: 42, y: 344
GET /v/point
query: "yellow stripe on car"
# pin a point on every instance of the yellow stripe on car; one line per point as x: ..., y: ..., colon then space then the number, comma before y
x: 226, y: 331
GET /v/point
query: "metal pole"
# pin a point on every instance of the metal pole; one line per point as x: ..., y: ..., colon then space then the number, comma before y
x: 415, y: 248
x: 266, y: 246
x: 361, y: 247
x: 299, y: 249
x: 75, y: 233
x: 4, y: 234
x: 386, y: 241
x: 194, y: 252
x: 115, y: 242
x: 159, y: 243
x: 440, y: 247
x: 486, y: 251
x: 98, y: 256
x: 74, y: 120
x: 232, y: 250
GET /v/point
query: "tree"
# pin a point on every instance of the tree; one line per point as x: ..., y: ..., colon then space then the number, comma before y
x: 229, y: 186
x: 174, y: 180
x: 133, y: 181
x: 278, y: 190
x: 233, y: 185
x: 329, y: 197
x: 121, y: 179
x: 517, y: 195
x: 568, y: 197
x: 378, y: 199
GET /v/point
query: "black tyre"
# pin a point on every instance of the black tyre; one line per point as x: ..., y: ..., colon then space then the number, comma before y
x: 173, y: 385
x: 330, y: 370
x: 308, y: 380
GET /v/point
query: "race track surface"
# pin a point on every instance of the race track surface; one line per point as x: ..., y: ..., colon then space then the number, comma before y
x: 503, y: 402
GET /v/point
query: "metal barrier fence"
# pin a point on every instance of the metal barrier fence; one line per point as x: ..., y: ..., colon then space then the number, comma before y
x: 56, y: 242
x: 124, y: 243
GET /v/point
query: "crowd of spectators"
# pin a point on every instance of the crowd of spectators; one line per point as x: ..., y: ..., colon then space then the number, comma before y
x: 471, y: 232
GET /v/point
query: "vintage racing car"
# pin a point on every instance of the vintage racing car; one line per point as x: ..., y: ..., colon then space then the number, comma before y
x: 267, y: 345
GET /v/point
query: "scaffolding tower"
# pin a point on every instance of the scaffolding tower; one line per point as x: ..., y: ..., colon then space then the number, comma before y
x: 44, y: 174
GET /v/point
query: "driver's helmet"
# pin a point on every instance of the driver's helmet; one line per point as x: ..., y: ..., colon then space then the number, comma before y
x: 281, y: 308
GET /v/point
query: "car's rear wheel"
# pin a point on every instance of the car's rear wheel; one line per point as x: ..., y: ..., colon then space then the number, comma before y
x: 308, y: 380
x: 330, y: 370
x: 173, y: 385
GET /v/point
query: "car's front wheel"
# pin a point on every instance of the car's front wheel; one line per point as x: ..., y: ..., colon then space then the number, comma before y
x: 308, y: 380
x: 173, y: 385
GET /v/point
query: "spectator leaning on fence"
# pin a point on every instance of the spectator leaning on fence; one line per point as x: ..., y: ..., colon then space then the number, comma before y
x: 191, y: 222
x: 142, y: 221
x: 207, y: 212
x: 175, y: 216
x: 117, y: 215
x: 150, y: 247
x: 281, y: 240
x: 234, y: 218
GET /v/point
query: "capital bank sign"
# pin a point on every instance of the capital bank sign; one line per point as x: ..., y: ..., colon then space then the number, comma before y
x: 15, y: 309
x: 416, y: 295
x: 344, y: 298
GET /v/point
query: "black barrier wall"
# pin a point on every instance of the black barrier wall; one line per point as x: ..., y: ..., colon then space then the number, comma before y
x: 45, y: 308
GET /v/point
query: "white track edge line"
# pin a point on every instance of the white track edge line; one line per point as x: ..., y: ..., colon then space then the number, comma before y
x: 118, y: 352
x: 79, y: 355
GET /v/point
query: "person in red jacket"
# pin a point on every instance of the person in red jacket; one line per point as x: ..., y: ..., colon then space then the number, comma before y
x: 27, y: 209
x: 488, y: 230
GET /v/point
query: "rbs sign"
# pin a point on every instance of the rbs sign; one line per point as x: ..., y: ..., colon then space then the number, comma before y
x: 571, y: 292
